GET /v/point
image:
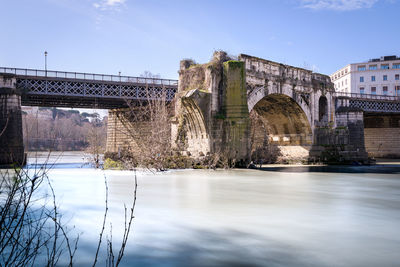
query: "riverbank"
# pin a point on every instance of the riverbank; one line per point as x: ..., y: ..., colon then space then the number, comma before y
x: 83, y: 157
x: 79, y: 159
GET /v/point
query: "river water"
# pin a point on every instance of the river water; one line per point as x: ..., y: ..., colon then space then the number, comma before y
x: 280, y: 216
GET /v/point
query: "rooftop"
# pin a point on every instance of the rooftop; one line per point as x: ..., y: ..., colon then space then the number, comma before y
x: 384, y: 58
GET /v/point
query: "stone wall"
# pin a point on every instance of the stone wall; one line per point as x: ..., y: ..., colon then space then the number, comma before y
x: 122, y: 134
x: 382, y: 135
x: 118, y: 138
x: 382, y: 142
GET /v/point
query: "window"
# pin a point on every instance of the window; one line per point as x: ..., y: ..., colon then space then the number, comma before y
x: 396, y: 66
x: 385, y: 90
x: 362, y: 90
x: 373, y: 67
x: 372, y: 78
x: 361, y: 68
x: 361, y: 79
x: 385, y: 77
x: 397, y: 77
x: 345, y: 82
x: 397, y: 90
x: 385, y: 66
x: 373, y: 90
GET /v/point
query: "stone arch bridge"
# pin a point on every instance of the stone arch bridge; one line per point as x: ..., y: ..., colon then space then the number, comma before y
x: 252, y: 109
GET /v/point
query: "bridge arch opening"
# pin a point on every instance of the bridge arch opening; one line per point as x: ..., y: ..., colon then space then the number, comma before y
x: 192, y: 136
x: 323, y: 109
x: 279, y: 130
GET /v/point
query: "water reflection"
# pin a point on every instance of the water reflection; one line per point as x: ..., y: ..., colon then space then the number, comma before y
x: 239, y: 217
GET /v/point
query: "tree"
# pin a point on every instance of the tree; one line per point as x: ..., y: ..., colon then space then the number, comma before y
x: 148, y: 74
x: 148, y: 124
x: 96, y: 138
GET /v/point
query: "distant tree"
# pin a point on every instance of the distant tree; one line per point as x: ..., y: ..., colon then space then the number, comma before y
x: 148, y: 74
x: 70, y: 132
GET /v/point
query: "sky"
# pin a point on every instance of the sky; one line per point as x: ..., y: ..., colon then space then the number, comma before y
x: 129, y: 36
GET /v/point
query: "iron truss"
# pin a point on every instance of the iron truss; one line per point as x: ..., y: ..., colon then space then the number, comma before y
x: 375, y: 106
x: 74, y: 89
x: 84, y: 93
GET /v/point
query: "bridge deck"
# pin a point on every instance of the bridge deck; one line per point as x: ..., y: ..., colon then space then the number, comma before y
x: 372, y: 103
x: 88, y: 90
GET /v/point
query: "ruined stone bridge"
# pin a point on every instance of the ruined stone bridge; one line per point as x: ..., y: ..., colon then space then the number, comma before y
x: 244, y: 109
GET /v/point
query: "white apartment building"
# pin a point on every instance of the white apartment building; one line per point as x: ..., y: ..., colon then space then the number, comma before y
x: 379, y: 76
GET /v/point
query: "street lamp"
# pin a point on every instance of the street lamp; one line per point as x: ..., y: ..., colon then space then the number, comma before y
x: 45, y: 62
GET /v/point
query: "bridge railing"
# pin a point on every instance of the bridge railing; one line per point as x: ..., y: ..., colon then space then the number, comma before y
x: 367, y: 96
x: 86, y: 76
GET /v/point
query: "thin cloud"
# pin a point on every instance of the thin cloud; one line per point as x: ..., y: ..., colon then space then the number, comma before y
x: 105, y: 9
x: 340, y: 5
x: 109, y: 4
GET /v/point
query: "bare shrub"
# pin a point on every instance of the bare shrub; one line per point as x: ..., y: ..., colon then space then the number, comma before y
x: 96, y: 139
x: 148, y: 124
x: 31, y: 227
x: 32, y: 231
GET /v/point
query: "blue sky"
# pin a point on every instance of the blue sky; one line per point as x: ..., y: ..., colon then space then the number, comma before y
x: 108, y: 36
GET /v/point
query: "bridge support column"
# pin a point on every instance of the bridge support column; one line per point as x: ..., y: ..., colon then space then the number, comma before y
x: 237, y: 122
x: 211, y: 112
x: 342, y: 142
x: 353, y: 120
x: 11, y: 140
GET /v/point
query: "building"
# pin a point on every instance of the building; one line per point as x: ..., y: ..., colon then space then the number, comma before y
x: 379, y: 76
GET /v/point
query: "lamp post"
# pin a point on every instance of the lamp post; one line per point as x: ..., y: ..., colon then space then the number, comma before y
x: 45, y: 62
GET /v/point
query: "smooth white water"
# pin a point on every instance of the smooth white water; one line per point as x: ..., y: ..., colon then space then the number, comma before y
x: 320, y: 216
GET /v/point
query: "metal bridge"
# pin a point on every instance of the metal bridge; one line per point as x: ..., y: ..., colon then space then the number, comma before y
x: 372, y: 103
x: 87, y: 90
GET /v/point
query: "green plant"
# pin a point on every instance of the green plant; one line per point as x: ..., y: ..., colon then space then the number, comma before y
x: 110, y: 164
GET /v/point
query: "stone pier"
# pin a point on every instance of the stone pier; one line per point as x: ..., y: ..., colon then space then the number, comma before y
x: 11, y: 140
x: 212, y: 116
